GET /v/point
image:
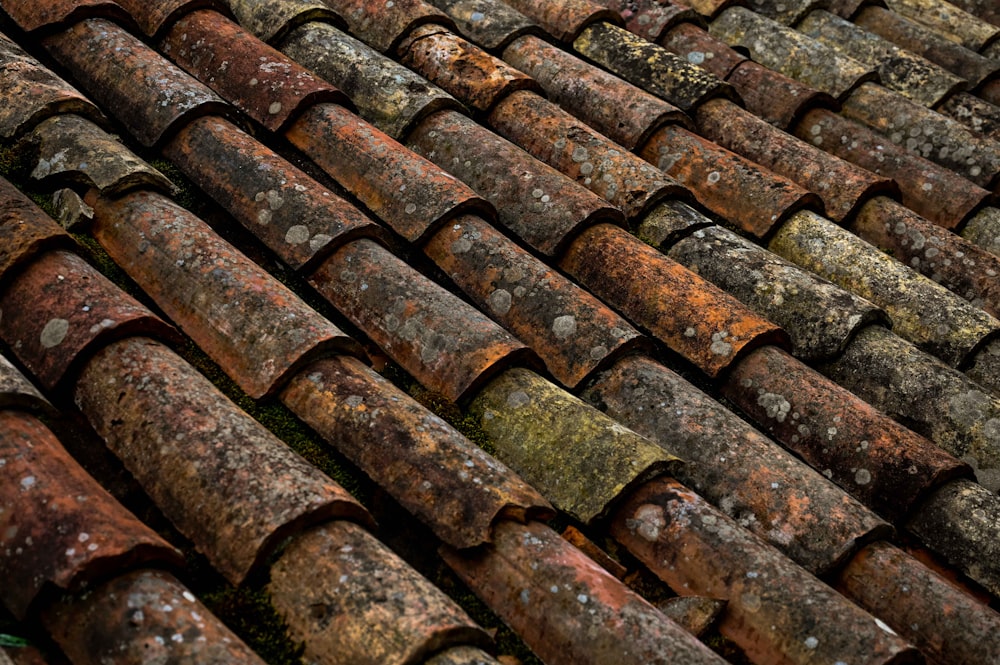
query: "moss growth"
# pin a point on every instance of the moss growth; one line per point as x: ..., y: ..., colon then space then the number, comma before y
x: 250, y: 614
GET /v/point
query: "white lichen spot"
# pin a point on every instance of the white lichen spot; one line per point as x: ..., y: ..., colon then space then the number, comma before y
x: 811, y: 642
x: 564, y: 326
x: 517, y: 399
x: 500, y: 301
x: 274, y: 108
x: 582, y: 598
x: 776, y: 406
x: 690, y: 332
x: 647, y: 522
x: 719, y: 344
x: 862, y: 476
x: 714, y: 177
x: 410, y: 208
x: 296, y: 235
x: 54, y: 333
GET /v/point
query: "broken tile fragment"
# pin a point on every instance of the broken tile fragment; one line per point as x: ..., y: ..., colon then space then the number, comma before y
x: 25, y: 230
x: 17, y: 392
x: 226, y: 483
x: 434, y: 472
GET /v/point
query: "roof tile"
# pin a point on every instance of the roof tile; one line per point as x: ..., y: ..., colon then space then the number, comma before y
x: 651, y: 20
x: 433, y: 471
x: 25, y: 231
x: 156, y: 17
x: 753, y: 480
x: 786, y: 13
x: 31, y: 16
x: 576, y: 456
x: 140, y: 616
x: 114, y: 66
x: 349, y: 619
x: 694, y: 44
x: 567, y: 608
x: 975, y: 113
x: 776, y: 98
x: 60, y: 310
x: 462, y: 656
x: 42, y: 485
x: 949, y: 21
x: 16, y: 392
x: 984, y: 9
x: 565, y: 20
x: 382, y: 24
x: 490, y: 23
x: 260, y: 81
x: 273, y: 20
x: 246, y: 320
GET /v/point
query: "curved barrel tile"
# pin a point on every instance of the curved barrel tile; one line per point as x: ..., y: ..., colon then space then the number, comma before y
x: 25, y: 231
x: 490, y: 23
x: 273, y: 20
x: 383, y: 24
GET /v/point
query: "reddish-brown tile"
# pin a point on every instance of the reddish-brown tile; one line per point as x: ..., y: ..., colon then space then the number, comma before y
x: 33, y: 93
x: 260, y: 81
x: 565, y: 20
x: 383, y: 23
x: 882, y: 463
x: 448, y: 346
x: 407, y: 192
x: 58, y: 528
x: 59, y: 310
x: 156, y: 17
x: 576, y: 538
x: 31, y: 16
x: 843, y: 186
x: 572, y: 332
x: 150, y: 96
x: 227, y: 483
x: 296, y: 217
x: 750, y: 478
x: 387, y: 94
x: 141, y: 617
x: 273, y: 20
x: 695, y: 45
x: 69, y: 149
x: 776, y: 611
x: 577, y: 457
x: 16, y: 392
x: 25, y: 231
x: 738, y: 190
x: 934, y: 192
x: 568, y: 609
x: 466, y: 71
x: 692, y: 316
x: 623, y: 113
x: 490, y: 23
x: 434, y: 472
x: 649, y: 66
x: 946, y: 624
x: 696, y: 614
x: 352, y: 601
x: 776, y: 98
x: 247, y: 321
x: 650, y: 20
x: 541, y: 206
x: 553, y: 136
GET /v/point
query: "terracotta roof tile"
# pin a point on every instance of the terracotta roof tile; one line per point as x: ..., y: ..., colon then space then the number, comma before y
x: 984, y: 9
x: 973, y: 112
x: 382, y: 24
x: 25, y: 231
x: 490, y: 23
x: 96, y: 537
x: 786, y: 13
x: 31, y: 16
x: 156, y: 17
x: 652, y: 20
x: 273, y: 20
x: 565, y: 20
x: 693, y: 43
x: 949, y: 21
x: 17, y: 392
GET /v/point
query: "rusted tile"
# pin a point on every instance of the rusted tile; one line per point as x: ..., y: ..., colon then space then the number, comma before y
x: 260, y: 81
x: 33, y: 93
x: 227, y: 483
x: 433, y: 471
x: 566, y: 19
x: 776, y: 611
x: 790, y: 52
x: 462, y: 656
x: 926, y: 133
x: 16, y: 392
x: 694, y: 613
x: 620, y: 111
x: 668, y: 222
x: 651, y: 19
x: 843, y: 186
x: 919, y: 79
x: 383, y: 23
x: 150, y: 96
x: 692, y: 316
x: 463, y: 69
x: 541, y: 206
x: 273, y: 20
x: 961, y: 522
x: 928, y: 315
x: 819, y: 317
x: 948, y: 259
x: 248, y: 322
x: 353, y: 602
x: 933, y: 400
x: 946, y: 624
x: 752, y: 479
x: 71, y: 149
x: 880, y: 462
x: 490, y: 23
x: 25, y: 230
x: 786, y: 13
x: 141, y: 617
x: 977, y: 114
x: 919, y: 39
x: 933, y: 191
x: 649, y: 66
x: 387, y: 94
x: 299, y: 219
x: 753, y: 198
x: 776, y: 98
x: 948, y: 21
x: 409, y: 193
x: 553, y: 136
x: 157, y: 17
x: 57, y: 525
x: 447, y: 345
x: 574, y: 333
x: 31, y: 16
x: 579, y: 459
x: 59, y: 310
x: 695, y: 45
x: 567, y: 609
